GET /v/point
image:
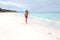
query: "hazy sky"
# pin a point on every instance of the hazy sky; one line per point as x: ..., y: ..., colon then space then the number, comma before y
x: 32, y: 5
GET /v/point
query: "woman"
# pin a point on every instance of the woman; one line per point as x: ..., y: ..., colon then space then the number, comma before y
x: 26, y: 16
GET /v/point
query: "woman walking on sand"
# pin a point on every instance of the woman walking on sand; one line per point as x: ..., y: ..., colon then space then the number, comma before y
x: 26, y: 16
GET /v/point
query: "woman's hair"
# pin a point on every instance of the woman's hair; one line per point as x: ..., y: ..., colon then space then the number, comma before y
x: 26, y: 11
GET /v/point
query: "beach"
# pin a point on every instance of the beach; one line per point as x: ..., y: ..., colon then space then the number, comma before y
x: 13, y: 27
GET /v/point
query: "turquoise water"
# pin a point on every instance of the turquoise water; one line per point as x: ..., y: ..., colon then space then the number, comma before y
x: 51, y: 16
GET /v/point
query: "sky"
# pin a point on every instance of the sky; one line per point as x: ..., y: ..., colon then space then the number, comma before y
x: 31, y: 5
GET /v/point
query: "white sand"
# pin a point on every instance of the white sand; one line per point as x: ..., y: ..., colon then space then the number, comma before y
x: 13, y: 27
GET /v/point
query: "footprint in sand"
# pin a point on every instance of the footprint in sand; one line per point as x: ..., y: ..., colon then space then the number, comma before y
x: 50, y: 33
x: 57, y: 38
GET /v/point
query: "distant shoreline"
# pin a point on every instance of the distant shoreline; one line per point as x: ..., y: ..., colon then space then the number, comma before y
x: 6, y: 10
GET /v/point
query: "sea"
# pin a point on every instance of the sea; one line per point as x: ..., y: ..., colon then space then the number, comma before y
x: 46, y: 15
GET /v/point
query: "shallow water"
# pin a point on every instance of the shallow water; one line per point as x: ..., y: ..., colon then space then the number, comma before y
x: 50, y: 16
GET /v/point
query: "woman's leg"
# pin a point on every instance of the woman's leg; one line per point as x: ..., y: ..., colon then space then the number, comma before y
x: 26, y: 20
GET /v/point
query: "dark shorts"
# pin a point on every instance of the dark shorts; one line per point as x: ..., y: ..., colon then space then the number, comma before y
x: 25, y: 16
